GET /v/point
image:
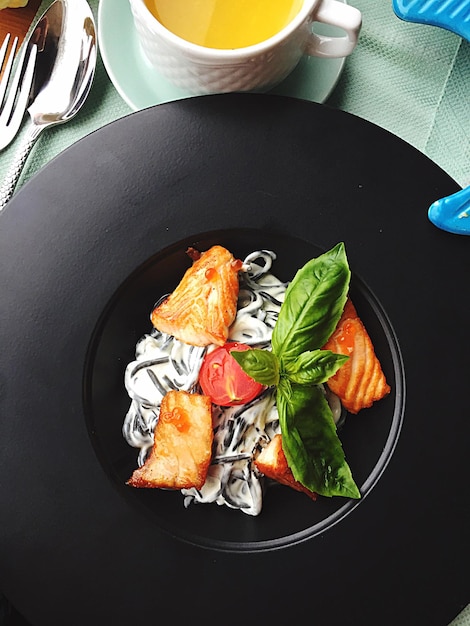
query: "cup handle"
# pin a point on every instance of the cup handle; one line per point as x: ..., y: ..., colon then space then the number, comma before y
x: 344, y: 16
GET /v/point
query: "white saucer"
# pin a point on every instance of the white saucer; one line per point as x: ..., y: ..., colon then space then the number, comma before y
x: 141, y: 86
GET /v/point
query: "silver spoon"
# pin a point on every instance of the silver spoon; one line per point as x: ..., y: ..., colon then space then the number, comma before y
x: 66, y: 61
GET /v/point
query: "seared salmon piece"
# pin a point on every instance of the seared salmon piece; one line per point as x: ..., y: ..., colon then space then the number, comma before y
x: 360, y: 381
x: 203, y: 306
x: 272, y: 462
x: 182, y: 446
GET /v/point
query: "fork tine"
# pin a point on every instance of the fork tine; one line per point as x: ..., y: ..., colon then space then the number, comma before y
x: 12, y: 114
x: 8, y: 65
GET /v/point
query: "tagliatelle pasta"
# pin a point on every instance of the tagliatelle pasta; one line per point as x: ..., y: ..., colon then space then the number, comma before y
x: 163, y: 363
x: 240, y: 432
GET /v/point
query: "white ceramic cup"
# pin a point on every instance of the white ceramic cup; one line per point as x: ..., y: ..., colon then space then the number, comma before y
x: 201, y: 70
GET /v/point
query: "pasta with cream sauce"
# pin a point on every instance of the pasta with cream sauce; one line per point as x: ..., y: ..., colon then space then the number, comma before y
x: 163, y: 363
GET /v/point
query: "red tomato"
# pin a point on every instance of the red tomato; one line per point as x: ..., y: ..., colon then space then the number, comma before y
x: 224, y: 381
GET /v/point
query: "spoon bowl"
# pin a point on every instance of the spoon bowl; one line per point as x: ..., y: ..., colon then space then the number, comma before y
x: 66, y: 61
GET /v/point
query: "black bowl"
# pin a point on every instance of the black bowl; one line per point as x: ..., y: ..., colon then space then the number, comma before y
x: 368, y: 438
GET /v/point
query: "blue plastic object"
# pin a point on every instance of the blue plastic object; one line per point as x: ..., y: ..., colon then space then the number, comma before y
x: 452, y: 213
x: 453, y: 15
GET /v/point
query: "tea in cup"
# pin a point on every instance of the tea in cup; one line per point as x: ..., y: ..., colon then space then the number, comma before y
x: 217, y: 46
x: 224, y: 24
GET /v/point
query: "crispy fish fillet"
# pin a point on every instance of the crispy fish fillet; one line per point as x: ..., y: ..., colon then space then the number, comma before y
x: 204, y: 304
x: 272, y: 462
x: 360, y: 381
x: 182, y: 447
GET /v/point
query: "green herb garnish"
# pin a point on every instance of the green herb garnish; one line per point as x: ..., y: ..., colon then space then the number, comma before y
x: 296, y: 366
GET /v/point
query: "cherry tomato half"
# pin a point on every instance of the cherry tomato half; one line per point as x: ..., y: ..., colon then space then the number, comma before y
x: 224, y: 381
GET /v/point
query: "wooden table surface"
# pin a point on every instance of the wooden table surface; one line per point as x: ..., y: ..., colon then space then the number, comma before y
x: 18, y: 21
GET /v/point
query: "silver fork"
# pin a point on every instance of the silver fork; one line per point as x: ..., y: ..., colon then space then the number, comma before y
x: 15, y: 86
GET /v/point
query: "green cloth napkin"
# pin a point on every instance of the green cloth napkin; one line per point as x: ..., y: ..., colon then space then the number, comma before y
x: 411, y: 79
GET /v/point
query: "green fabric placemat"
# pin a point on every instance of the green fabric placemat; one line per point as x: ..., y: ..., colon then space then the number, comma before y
x: 412, y: 79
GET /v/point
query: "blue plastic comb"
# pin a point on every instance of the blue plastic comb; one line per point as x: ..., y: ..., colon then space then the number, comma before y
x: 453, y: 15
x: 453, y: 212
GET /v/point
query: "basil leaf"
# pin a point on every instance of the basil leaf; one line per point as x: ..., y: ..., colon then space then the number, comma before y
x: 261, y: 365
x: 311, y: 309
x: 313, y: 450
x: 313, y: 304
x: 313, y: 367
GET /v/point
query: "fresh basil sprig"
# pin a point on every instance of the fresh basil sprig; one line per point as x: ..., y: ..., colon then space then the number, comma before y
x: 296, y: 366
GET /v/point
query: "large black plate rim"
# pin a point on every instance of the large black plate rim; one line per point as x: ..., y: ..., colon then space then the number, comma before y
x: 85, y: 223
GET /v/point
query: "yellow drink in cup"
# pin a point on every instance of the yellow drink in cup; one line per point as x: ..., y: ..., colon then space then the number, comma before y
x: 219, y: 46
x: 224, y: 24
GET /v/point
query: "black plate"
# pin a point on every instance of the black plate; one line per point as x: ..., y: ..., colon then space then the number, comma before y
x: 88, y: 245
